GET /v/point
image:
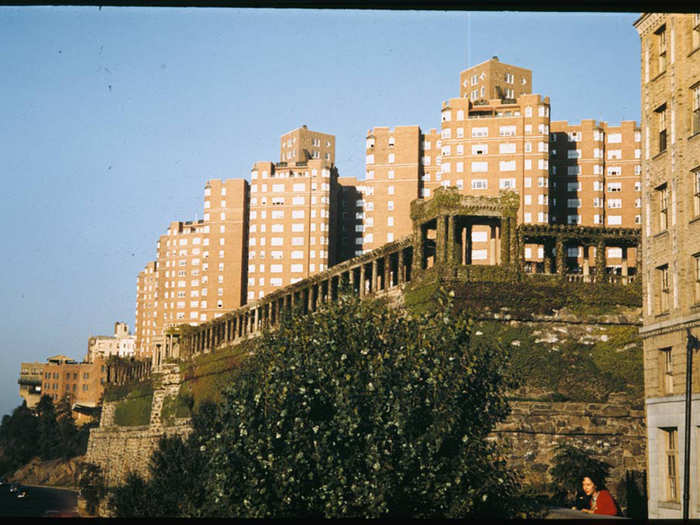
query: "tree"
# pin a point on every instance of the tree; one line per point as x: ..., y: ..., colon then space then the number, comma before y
x: 67, y: 429
x: 18, y: 438
x: 131, y: 500
x: 359, y: 410
x: 92, y: 486
x: 49, y: 438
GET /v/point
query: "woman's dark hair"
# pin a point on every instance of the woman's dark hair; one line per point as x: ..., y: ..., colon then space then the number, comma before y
x: 599, y: 484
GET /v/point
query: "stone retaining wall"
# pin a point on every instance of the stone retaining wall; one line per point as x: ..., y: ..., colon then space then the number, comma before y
x: 119, y: 450
x: 612, y: 432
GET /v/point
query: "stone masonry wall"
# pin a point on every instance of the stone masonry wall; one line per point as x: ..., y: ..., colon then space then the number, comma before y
x: 119, y: 450
x: 612, y: 432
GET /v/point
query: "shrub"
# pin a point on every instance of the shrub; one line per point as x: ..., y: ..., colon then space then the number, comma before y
x: 359, y: 410
x: 92, y: 486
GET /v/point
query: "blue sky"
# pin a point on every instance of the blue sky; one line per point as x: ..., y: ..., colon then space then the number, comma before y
x: 113, y: 119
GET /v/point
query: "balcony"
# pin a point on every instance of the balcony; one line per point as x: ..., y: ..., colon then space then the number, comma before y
x: 32, y: 381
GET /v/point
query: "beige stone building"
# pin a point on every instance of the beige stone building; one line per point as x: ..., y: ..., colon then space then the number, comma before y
x: 293, y: 213
x: 670, y: 129
x: 121, y: 344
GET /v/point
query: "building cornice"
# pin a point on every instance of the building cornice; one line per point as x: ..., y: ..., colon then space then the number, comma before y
x: 648, y: 22
x: 669, y: 326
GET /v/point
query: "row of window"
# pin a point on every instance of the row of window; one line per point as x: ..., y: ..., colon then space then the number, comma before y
x: 280, y: 241
x: 662, y: 195
x: 284, y: 174
x: 295, y: 227
x: 296, y: 214
x: 662, y: 120
x: 278, y: 268
x: 542, y: 111
x: 281, y: 188
x: 663, y: 285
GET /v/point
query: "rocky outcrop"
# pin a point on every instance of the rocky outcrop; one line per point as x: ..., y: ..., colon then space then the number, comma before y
x: 52, y: 473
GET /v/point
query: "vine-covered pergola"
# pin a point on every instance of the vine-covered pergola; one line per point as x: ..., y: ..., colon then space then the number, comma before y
x: 557, y: 237
x: 452, y: 216
x: 441, y: 244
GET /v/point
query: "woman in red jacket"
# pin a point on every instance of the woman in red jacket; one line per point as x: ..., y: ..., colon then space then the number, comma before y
x: 602, y: 501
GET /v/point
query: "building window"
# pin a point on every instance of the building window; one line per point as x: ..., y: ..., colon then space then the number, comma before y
x: 661, y: 42
x: 670, y: 463
x: 666, y: 368
x: 696, y: 191
x: 661, y: 119
x: 664, y: 287
x: 695, y: 96
x: 662, y: 197
x: 696, y: 276
x: 696, y: 30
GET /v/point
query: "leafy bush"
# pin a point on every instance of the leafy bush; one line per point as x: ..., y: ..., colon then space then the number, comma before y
x: 358, y: 410
x: 92, y: 486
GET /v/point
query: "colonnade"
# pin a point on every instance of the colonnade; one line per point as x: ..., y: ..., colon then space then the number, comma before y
x: 387, y: 267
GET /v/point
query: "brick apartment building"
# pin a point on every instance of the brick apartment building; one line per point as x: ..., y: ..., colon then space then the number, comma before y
x: 303, y: 218
x: 59, y: 377
x: 200, y: 267
x: 293, y: 213
x: 498, y: 136
x: 670, y: 133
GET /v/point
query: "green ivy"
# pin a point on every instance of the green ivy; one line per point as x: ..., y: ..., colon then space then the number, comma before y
x: 175, y: 407
x: 135, y: 408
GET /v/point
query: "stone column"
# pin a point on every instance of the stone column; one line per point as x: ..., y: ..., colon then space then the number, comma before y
x: 505, y: 241
x: 351, y: 276
x: 600, y: 261
x: 440, y: 240
x: 492, y: 244
x: 560, y: 255
x: 586, y: 263
x: 418, y: 251
x: 362, y: 280
x: 468, y: 244
x: 638, y: 260
x: 625, y: 267
x: 387, y: 272
x: 375, y: 274
x: 521, y: 252
x: 451, y: 239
